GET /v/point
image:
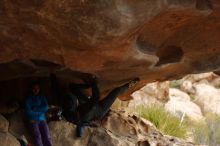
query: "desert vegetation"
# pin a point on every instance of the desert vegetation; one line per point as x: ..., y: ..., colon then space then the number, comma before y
x: 164, y: 121
x: 191, y: 109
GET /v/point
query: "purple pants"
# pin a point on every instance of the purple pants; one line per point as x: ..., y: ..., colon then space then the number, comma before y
x: 41, y: 133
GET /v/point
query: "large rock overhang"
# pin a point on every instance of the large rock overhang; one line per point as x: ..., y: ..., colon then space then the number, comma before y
x: 114, y: 39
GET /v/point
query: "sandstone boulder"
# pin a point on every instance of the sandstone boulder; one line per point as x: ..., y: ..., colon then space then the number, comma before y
x: 19, y: 126
x: 142, y: 98
x: 182, y: 108
x: 4, y: 124
x: 208, y: 98
x: 187, y: 87
x: 118, y: 129
x: 6, y: 139
x: 158, y: 90
x: 153, y: 93
x: 64, y: 133
x: 180, y: 105
x: 178, y: 94
x: 101, y: 137
x: 202, y: 77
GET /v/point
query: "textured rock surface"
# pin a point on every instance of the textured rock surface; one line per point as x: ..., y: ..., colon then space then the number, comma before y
x: 3, y: 124
x: 117, y: 129
x: 114, y: 39
x: 7, y: 139
x: 18, y: 126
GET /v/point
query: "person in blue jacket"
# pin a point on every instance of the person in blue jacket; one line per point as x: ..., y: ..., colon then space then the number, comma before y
x: 35, y: 107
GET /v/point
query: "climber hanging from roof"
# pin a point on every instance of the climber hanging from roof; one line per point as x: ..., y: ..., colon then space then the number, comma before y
x: 82, y: 109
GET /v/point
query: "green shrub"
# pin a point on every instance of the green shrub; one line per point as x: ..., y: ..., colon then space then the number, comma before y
x: 164, y: 121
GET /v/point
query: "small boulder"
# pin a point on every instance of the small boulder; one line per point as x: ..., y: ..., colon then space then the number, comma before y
x: 196, y: 78
x: 142, y: 98
x: 158, y: 90
x: 156, y: 93
x: 64, y: 134
x: 176, y: 93
x: 19, y: 126
x: 208, y: 98
x: 187, y: 87
x: 3, y: 124
x: 182, y: 108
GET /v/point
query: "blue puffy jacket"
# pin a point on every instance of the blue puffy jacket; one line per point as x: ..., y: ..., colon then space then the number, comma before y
x: 35, y: 107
